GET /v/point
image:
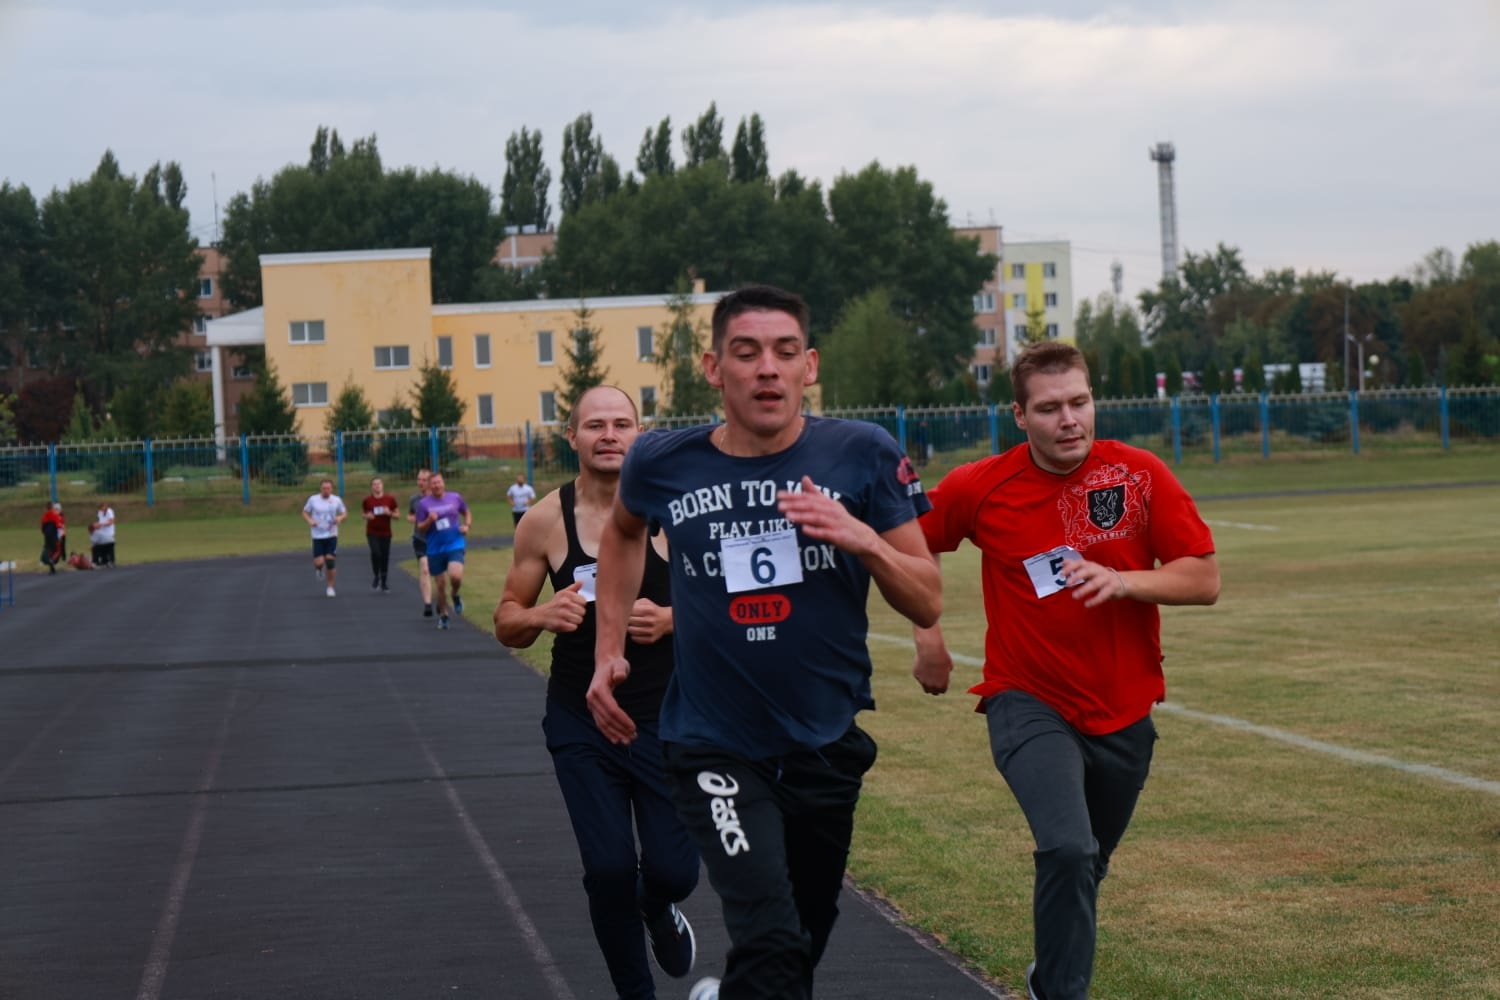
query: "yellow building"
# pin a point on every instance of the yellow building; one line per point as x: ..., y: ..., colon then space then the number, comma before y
x: 367, y: 318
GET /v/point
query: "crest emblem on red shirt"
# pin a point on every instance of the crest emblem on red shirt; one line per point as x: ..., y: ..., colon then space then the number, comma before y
x: 1106, y: 506
x: 1109, y: 503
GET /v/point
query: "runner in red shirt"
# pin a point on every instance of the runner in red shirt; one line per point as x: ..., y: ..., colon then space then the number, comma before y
x: 378, y: 508
x: 1080, y: 542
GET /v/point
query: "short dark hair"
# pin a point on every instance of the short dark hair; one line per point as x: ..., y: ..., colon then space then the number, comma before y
x: 757, y: 298
x: 1050, y: 357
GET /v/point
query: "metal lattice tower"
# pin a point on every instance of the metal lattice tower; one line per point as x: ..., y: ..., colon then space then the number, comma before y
x: 1164, y: 154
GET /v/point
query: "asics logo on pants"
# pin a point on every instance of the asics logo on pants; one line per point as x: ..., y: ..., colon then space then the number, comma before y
x: 723, y: 788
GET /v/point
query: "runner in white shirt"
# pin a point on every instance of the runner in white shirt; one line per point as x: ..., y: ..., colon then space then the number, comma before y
x: 323, y: 512
x: 522, y: 496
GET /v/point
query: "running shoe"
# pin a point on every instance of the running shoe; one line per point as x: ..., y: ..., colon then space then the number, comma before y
x: 442, y: 621
x: 705, y: 989
x: 672, y: 943
x: 329, y: 591
x: 427, y: 611
x: 458, y: 605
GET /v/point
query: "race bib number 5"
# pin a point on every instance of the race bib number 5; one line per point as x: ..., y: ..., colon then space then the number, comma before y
x: 757, y: 561
x: 1045, y: 569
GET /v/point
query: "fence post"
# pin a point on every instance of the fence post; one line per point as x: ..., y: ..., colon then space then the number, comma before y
x: 1265, y: 424
x: 150, y: 477
x: 530, y: 458
x: 52, y: 471
x: 1213, y: 413
x: 1443, y: 413
x: 1354, y: 419
x: 244, y: 470
x: 901, y: 429
x: 338, y: 457
x: 432, y: 448
x: 994, y: 429
x: 1177, y: 430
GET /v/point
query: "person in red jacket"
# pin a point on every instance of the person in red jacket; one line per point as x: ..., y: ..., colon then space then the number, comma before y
x: 1080, y: 542
x: 52, y: 533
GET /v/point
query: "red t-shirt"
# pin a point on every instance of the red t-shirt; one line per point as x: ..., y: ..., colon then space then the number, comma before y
x: 380, y: 524
x: 1100, y: 668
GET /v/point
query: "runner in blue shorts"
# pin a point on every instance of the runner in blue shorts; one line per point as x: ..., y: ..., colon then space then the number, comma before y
x: 419, y: 544
x: 323, y: 512
x: 443, y: 519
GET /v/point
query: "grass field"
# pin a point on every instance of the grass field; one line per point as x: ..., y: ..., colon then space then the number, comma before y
x: 1323, y: 816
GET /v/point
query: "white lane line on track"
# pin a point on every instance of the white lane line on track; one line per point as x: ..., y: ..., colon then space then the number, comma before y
x: 1244, y: 525
x: 1284, y: 736
x: 155, y: 973
x: 540, y: 953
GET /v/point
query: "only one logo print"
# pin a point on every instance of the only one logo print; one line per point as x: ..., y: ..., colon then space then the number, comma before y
x: 722, y: 788
x: 1106, y: 506
x: 760, y: 609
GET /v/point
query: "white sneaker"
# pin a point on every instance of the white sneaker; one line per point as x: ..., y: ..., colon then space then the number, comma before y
x: 330, y: 591
x: 705, y: 989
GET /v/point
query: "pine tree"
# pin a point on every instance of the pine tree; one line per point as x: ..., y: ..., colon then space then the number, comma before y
x: 679, y: 354
x: 267, y: 408
x: 583, y: 370
x: 435, y: 401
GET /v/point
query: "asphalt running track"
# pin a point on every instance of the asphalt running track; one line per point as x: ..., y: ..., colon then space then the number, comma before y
x: 216, y: 782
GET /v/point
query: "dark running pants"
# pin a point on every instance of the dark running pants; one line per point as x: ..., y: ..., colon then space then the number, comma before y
x: 775, y: 837
x: 1078, y: 793
x: 604, y: 787
x: 380, y: 555
x: 104, y: 554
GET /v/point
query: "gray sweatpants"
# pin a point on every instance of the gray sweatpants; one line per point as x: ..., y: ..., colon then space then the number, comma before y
x: 1078, y: 793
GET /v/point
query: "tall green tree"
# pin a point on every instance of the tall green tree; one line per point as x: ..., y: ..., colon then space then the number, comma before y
x: 124, y: 273
x: 703, y: 140
x: 82, y: 426
x: 523, y: 192
x: 584, y: 368
x: 346, y: 200
x: 7, y: 419
x: 655, y: 155
x: 24, y: 293
x: 891, y: 231
x: 871, y: 357
x: 435, y: 400
x: 589, y: 174
x: 267, y: 409
x: 679, y: 355
x: 748, y: 160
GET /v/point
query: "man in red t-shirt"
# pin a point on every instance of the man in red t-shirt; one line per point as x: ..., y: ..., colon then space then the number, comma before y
x: 378, y: 508
x: 1080, y: 541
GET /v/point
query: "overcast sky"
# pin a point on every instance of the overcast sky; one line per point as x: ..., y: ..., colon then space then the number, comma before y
x: 1345, y: 136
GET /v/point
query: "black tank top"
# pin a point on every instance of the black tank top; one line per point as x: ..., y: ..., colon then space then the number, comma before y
x: 573, y: 652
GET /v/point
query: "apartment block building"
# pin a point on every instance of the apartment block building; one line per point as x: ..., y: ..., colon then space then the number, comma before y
x: 367, y: 318
x: 1038, y: 274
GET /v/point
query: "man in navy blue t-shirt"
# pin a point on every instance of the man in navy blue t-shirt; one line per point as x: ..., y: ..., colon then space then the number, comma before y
x: 777, y: 523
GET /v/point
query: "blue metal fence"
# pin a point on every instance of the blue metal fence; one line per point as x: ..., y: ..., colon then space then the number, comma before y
x: 486, y: 460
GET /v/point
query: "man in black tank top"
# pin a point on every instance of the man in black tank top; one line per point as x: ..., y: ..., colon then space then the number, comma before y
x: 616, y: 795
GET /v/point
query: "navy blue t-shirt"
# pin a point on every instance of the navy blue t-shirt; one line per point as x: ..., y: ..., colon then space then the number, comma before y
x: 770, y: 626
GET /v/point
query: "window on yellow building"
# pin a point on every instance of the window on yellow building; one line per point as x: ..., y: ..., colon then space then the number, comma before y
x: 1018, y: 270
x: 393, y: 357
x: 645, y: 346
x: 486, y: 410
x: 648, y: 399
x: 549, y: 407
x: 1049, y: 298
x: 445, y: 352
x: 307, y: 331
x: 309, y: 393
x: 481, y: 350
x: 1019, y: 300
x: 544, y: 347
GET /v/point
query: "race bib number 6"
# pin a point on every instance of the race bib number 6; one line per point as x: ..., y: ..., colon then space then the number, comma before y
x: 757, y: 561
